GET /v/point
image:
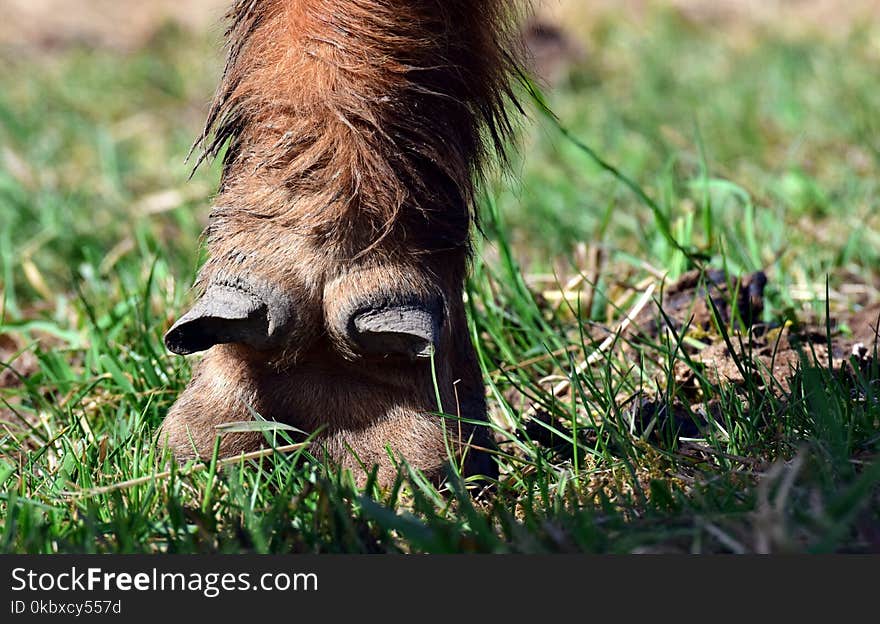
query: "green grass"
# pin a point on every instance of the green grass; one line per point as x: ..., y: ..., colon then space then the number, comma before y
x: 748, y: 157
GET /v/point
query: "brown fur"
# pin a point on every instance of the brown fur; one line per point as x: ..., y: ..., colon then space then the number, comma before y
x: 356, y: 130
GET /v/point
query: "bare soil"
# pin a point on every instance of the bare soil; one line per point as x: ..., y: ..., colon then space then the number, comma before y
x: 763, y: 358
x: 50, y: 24
x: 828, y: 16
x: 117, y: 24
x: 16, y: 361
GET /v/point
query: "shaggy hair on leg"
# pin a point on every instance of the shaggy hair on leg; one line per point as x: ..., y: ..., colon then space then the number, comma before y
x: 355, y: 133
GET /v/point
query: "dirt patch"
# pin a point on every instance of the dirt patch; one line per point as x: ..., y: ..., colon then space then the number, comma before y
x: 563, y: 32
x: 699, y: 303
x: 52, y: 24
x: 755, y: 358
x: 15, y: 362
x: 829, y: 17
x: 714, y: 323
x: 552, y: 49
x: 864, y: 324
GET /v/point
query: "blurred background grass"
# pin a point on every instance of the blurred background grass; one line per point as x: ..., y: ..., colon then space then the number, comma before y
x: 774, y: 103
